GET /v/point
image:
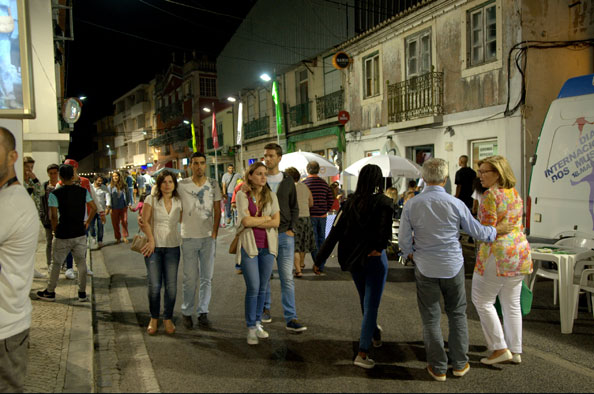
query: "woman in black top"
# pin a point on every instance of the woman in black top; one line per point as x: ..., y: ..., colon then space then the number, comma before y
x: 363, y: 228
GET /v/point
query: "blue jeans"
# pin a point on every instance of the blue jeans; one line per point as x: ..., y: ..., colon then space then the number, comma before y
x: 284, y: 262
x: 99, y: 233
x: 319, y: 229
x: 256, y: 273
x: 199, y: 256
x: 370, y: 280
x: 228, y: 206
x: 161, y: 268
x: 454, y: 297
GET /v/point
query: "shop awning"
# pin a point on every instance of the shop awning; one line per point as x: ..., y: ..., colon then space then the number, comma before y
x: 336, y: 130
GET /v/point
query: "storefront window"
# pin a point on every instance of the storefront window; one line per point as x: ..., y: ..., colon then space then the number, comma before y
x: 482, y: 149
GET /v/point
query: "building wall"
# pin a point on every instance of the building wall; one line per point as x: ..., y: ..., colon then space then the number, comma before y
x: 40, y: 137
x: 548, y: 69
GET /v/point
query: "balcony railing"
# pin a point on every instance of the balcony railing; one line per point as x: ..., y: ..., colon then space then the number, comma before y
x: 300, y: 114
x: 329, y: 105
x: 416, y: 97
x: 171, y: 112
x: 178, y: 134
x: 255, y: 128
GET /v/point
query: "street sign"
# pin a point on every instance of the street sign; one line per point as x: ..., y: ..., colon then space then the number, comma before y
x: 341, y: 60
x: 343, y: 117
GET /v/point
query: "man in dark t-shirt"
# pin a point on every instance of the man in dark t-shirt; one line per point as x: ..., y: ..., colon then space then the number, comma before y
x: 69, y: 227
x: 464, y: 178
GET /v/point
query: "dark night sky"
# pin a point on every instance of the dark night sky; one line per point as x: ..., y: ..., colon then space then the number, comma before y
x: 119, y: 44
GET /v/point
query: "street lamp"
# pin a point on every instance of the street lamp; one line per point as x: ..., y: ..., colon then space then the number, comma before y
x: 265, y: 77
x: 109, y: 154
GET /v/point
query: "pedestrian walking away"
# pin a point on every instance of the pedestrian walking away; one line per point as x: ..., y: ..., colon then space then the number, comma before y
x: 259, y: 218
x: 284, y: 187
x: 140, y: 181
x: 161, y: 216
x: 501, y: 265
x: 48, y: 187
x: 433, y: 219
x: 118, y: 203
x: 98, y: 221
x: 18, y: 242
x: 304, y: 235
x: 129, y: 180
x: 70, y: 201
x: 201, y: 205
x: 323, y: 201
x: 362, y: 229
x: 228, y: 183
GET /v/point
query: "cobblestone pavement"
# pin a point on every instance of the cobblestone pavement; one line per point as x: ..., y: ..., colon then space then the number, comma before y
x: 59, y: 354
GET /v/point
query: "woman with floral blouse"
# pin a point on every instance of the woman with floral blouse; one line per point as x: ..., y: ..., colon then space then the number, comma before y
x: 501, y: 265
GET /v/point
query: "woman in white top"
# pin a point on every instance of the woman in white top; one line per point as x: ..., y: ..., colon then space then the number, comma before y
x: 259, y: 215
x: 161, y: 216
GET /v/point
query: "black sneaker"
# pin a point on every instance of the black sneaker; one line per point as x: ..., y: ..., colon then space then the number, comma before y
x: 203, y: 321
x: 266, y: 318
x: 82, y: 296
x: 46, y: 295
x: 295, y: 326
x: 187, y: 321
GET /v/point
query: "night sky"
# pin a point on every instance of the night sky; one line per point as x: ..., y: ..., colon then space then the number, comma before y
x: 119, y: 44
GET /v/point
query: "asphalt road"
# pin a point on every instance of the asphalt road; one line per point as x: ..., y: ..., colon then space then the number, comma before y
x: 320, y: 359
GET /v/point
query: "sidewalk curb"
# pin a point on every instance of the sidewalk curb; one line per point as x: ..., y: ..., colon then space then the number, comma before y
x: 80, y: 377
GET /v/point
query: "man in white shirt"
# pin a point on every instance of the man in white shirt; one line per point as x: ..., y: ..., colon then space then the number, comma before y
x: 201, y: 205
x: 18, y: 242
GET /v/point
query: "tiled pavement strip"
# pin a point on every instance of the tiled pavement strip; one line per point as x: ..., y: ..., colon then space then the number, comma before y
x: 61, y: 336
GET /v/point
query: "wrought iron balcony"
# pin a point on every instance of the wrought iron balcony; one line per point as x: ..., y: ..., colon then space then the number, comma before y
x: 329, y: 105
x: 171, y: 112
x: 416, y: 97
x: 255, y: 128
x: 178, y: 134
x: 300, y: 114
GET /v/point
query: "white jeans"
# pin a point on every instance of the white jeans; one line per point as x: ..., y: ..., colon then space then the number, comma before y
x: 485, y: 289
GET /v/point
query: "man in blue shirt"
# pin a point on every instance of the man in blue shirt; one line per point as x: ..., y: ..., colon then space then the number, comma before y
x: 434, y: 218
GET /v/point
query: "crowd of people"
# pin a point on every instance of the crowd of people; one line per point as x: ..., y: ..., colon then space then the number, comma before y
x: 280, y: 217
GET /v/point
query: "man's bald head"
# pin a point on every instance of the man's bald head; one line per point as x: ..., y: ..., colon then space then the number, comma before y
x: 7, y: 139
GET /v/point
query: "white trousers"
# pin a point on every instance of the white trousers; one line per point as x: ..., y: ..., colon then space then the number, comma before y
x: 485, y: 289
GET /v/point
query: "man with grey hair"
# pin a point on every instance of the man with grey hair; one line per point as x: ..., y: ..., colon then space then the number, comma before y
x: 434, y: 218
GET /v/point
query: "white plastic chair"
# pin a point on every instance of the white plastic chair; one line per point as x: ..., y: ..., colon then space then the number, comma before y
x: 554, y: 273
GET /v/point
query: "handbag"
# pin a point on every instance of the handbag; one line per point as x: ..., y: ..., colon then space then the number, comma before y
x: 140, y: 240
x: 6, y: 23
x: 525, y: 301
x: 233, y: 246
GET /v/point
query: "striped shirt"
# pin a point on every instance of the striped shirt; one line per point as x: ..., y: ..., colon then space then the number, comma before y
x: 322, y: 196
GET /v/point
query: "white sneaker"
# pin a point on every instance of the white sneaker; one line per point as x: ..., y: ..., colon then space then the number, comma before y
x: 252, y: 336
x: 516, y: 358
x: 89, y: 272
x: 37, y: 274
x: 260, y: 331
x: 94, y: 244
x: 70, y: 274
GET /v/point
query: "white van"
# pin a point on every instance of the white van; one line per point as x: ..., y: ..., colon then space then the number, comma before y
x: 561, y: 193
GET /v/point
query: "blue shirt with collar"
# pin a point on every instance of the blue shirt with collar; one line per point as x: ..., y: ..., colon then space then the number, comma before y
x: 434, y: 218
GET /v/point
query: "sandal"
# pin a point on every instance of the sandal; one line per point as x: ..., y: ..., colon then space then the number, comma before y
x: 298, y: 275
x: 169, y: 326
x: 152, y: 327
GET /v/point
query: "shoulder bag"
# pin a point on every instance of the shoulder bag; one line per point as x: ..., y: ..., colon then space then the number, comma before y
x: 140, y: 240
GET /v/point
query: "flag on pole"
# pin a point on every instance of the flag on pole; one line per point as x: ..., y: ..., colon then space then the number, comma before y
x: 193, y: 138
x: 215, y: 136
x: 277, y: 106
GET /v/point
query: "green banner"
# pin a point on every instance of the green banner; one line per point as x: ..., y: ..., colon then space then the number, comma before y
x: 277, y: 106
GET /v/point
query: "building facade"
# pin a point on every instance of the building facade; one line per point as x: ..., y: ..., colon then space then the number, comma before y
x: 134, y: 124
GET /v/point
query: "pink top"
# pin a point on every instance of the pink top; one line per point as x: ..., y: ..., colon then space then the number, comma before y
x: 259, y: 233
x: 511, y: 251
